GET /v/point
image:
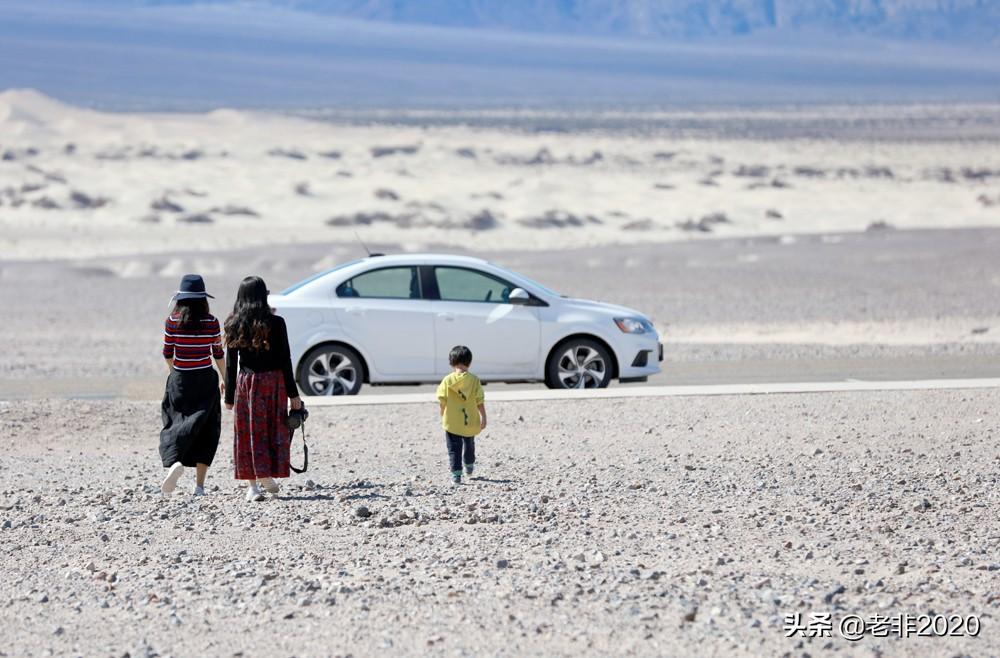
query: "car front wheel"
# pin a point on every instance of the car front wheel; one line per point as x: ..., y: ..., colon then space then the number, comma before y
x: 331, y: 370
x: 579, y: 363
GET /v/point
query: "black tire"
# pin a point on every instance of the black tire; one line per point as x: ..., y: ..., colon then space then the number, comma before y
x: 579, y: 358
x: 331, y: 370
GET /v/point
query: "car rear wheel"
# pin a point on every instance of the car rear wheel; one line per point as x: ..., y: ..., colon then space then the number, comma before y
x: 579, y: 363
x: 331, y: 370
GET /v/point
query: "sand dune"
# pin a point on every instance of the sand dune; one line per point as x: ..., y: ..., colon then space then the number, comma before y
x: 142, y: 183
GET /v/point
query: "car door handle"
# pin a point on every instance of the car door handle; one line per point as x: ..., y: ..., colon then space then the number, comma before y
x: 447, y: 317
x: 355, y: 310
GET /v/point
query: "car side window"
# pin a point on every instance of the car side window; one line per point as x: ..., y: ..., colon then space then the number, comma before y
x: 385, y: 283
x: 457, y: 284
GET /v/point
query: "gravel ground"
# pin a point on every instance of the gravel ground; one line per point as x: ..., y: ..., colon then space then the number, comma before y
x: 678, y: 526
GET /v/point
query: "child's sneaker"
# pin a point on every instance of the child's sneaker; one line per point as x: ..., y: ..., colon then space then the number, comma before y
x: 456, y: 477
x: 198, y: 490
x: 469, y: 468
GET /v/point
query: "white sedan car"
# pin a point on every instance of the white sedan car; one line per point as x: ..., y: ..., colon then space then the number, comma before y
x: 393, y: 319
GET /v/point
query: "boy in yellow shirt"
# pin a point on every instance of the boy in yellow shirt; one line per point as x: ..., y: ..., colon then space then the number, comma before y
x: 463, y: 411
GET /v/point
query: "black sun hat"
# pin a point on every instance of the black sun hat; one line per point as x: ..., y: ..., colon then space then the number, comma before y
x: 192, y: 287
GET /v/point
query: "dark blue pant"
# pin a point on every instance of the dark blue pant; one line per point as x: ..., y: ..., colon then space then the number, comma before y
x: 461, y: 449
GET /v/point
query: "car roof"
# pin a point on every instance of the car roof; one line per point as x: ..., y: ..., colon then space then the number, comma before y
x: 424, y: 259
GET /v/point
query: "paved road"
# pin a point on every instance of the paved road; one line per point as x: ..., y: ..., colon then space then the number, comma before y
x: 701, y: 373
x: 511, y: 395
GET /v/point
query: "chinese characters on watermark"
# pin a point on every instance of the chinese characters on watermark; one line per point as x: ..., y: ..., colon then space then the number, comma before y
x: 854, y: 627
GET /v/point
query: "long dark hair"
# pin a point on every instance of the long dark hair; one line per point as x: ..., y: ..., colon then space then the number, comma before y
x: 190, y: 312
x: 249, y: 325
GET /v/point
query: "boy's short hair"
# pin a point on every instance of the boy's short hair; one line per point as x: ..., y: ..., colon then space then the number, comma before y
x: 460, y: 355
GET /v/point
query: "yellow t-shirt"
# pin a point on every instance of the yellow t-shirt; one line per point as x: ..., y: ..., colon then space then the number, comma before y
x: 461, y: 393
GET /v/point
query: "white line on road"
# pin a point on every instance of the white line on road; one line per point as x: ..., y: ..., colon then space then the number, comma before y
x: 673, y: 391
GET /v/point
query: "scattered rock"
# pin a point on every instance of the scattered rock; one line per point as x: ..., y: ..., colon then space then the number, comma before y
x: 362, y: 512
x: 166, y: 205
x: 706, y: 224
x: 292, y: 154
x: 386, y: 194
x: 231, y: 210
x: 559, y: 219
x: 85, y: 201
x: 384, y: 151
x: 198, y: 218
x: 880, y: 225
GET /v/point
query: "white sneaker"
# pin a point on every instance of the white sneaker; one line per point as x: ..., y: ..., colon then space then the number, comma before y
x: 254, y: 494
x: 269, y: 485
x: 198, y: 490
x: 173, y: 474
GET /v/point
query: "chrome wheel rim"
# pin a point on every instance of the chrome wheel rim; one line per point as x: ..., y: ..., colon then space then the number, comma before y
x: 581, y: 367
x: 332, y: 373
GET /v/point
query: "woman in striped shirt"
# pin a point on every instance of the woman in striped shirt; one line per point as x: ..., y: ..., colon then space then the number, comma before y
x: 192, y: 412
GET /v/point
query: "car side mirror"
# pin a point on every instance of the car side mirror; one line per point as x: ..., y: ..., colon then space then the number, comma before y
x: 519, y: 297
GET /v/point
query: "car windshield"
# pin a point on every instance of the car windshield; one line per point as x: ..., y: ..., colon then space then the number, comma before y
x: 530, y: 282
x: 320, y: 275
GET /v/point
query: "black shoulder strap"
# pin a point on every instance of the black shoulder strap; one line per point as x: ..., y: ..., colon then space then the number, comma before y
x: 305, y: 450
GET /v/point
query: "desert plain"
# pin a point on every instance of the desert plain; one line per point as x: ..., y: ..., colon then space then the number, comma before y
x: 764, y: 247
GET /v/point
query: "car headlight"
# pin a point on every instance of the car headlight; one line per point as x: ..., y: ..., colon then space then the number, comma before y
x: 634, y: 325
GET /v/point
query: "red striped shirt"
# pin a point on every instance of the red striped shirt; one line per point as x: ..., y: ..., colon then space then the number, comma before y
x: 192, y: 348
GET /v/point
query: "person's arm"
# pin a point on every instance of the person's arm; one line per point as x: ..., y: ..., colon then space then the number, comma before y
x: 442, y: 396
x: 218, y: 356
x: 168, y: 346
x: 481, y: 405
x: 232, y: 357
x: 280, y: 342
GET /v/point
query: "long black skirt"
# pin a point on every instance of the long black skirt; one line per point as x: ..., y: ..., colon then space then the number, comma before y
x: 192, y: 417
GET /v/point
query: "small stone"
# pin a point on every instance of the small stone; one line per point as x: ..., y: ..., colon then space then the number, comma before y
x: 503, y: 564
x: 922, y: 506
x: 362, y: 512
x: 839, y: 589
x: 7, y: 525
x: 690, y: 614
x: 597, y: 558
x: 900, y: 568
x: 59, y: 630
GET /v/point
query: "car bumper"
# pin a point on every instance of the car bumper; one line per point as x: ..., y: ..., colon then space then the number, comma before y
x: 639, y: 357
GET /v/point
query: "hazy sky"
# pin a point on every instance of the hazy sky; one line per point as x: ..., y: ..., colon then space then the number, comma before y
x: 119, y: 54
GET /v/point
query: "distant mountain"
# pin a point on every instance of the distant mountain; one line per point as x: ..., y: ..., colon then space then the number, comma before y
x: 197, y: 54
x: 939, y: 20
